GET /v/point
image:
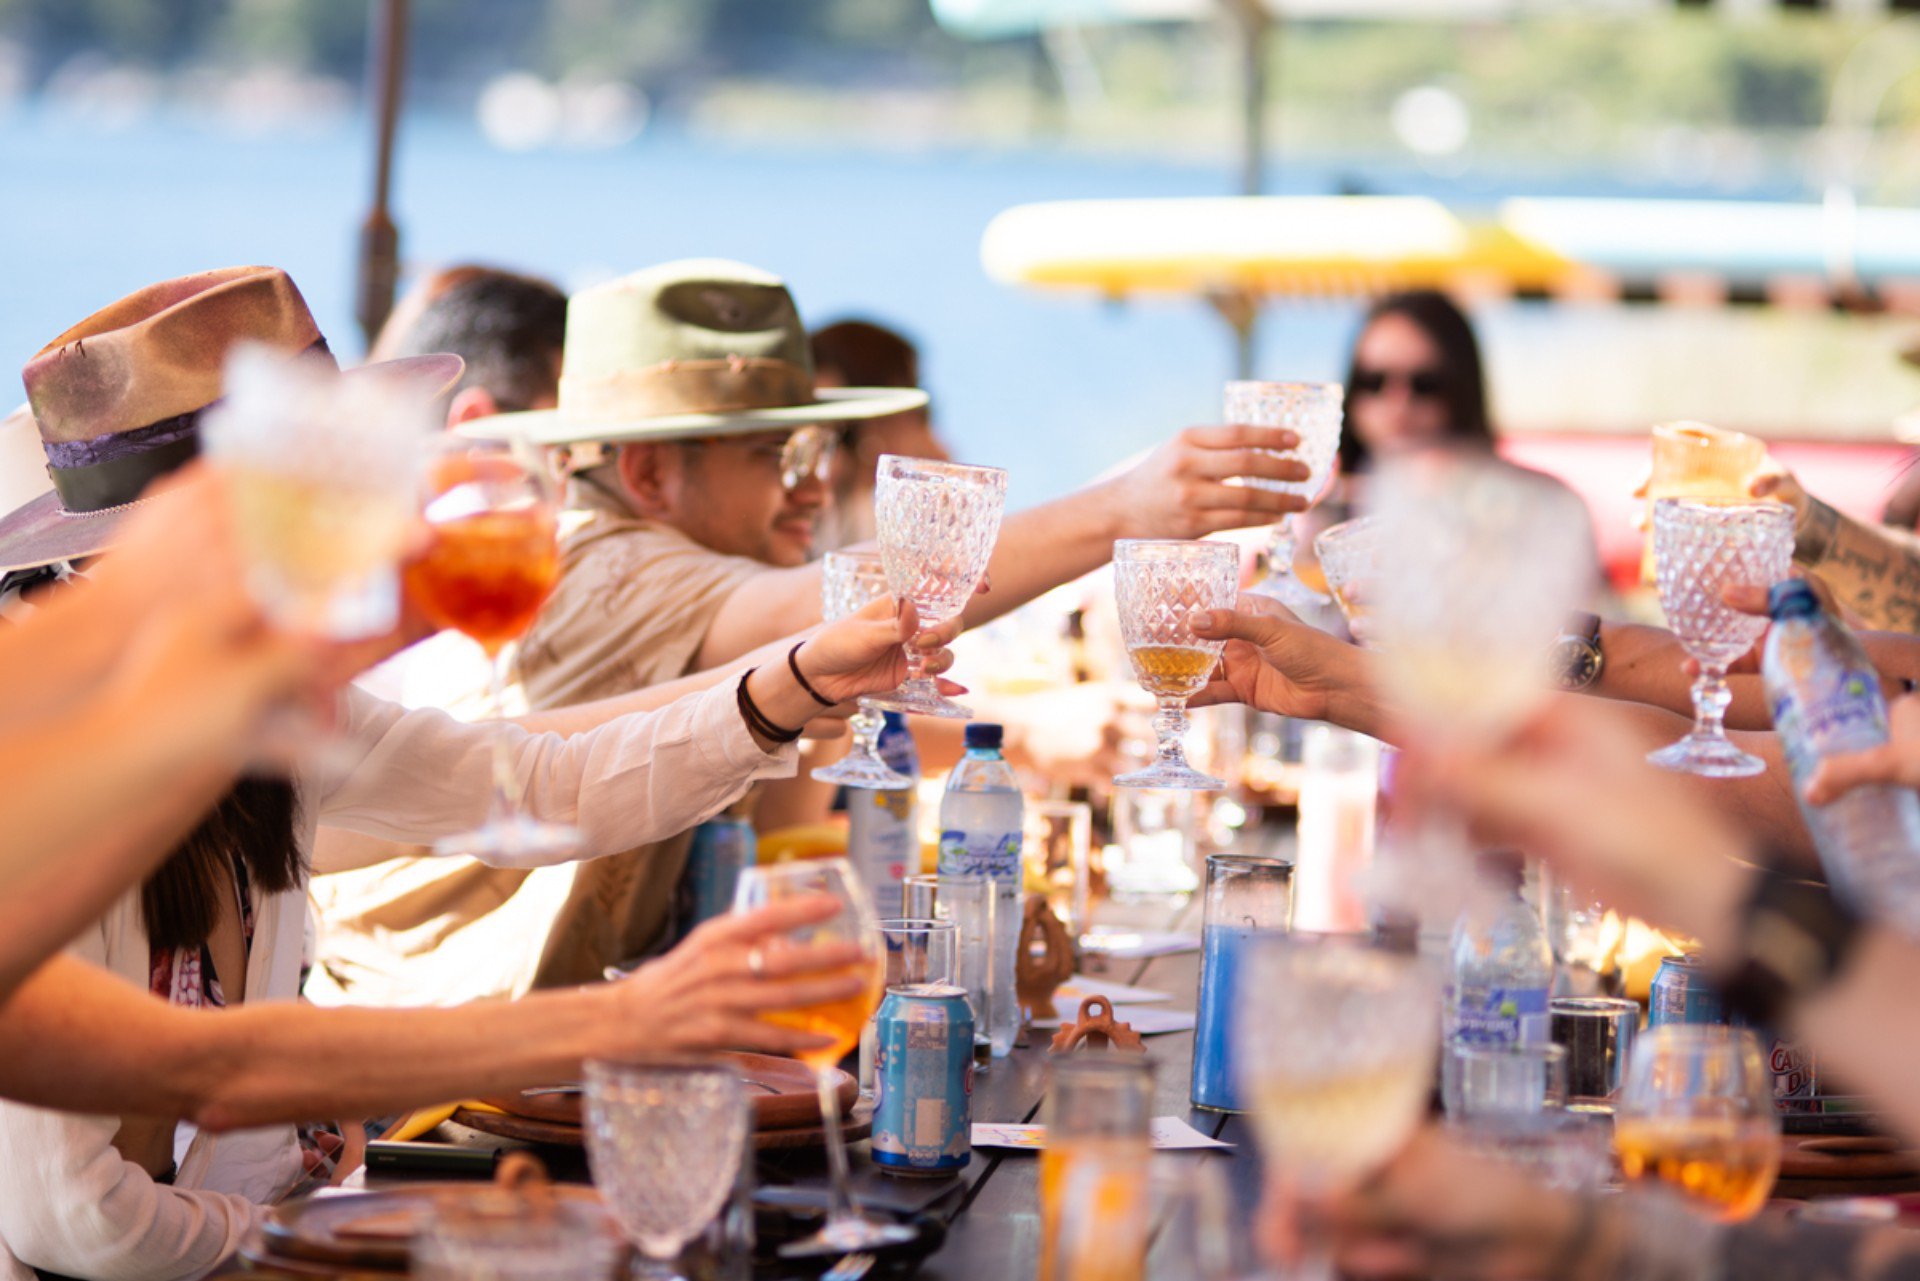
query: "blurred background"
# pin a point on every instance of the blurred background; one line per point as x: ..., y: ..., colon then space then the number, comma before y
x: 1719, y: 192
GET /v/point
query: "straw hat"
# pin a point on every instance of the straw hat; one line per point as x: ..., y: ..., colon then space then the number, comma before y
x: 116, y: 400
x: 701, y: 347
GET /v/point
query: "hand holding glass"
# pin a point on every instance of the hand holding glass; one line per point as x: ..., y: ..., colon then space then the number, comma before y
x: 1158, y: 586
x: 1313, y: 411
x: 848, y: 582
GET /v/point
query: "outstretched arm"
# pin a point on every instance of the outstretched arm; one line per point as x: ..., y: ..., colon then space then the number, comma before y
x: 1874, y: 569
x: 1180, y: 490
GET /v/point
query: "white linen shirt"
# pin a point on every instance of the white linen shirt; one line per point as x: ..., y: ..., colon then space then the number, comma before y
x: 70, y: 1204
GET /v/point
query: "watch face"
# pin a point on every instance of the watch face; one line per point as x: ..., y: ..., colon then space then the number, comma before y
x: 1576, y: 662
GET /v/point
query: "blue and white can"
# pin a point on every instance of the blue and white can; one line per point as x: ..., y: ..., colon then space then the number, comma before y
x: 722, y: 847
x: 1680, y: 994
x: 923, y: 1078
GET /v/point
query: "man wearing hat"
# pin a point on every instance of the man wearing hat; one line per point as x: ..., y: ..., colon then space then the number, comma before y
x: 688, y: 407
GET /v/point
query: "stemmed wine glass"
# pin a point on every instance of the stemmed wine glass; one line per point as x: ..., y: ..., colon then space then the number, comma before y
x: 846, y: 1228
x: 1480, y: 563
x: 1698, y: 549
x: 1158, y: 586
x: 1349, y: 555
x: 1336, y: 1061
x: 490, y: 563
x: 937, y: 523
x: 848, y: 582
x: 1697, y: 1112
x: 664, y: 1143
x: 1313, y: 412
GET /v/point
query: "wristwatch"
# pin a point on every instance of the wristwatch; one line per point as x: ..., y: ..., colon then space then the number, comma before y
x: 1575, y: 660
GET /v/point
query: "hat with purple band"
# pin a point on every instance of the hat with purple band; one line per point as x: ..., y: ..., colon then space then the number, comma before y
x: 117, y: 399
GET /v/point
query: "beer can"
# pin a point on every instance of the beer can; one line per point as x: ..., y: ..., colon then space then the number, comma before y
x: 923, y: 1078
x: 1680, y: 994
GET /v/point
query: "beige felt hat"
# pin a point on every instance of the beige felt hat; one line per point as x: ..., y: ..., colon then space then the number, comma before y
x: 700, y: 347
x: 116, y: 400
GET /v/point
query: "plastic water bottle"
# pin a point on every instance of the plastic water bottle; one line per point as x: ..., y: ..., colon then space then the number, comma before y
x: 980, y: 833
x: 883, y: 837
x: 1502, y: 966
x: 1826, y: 700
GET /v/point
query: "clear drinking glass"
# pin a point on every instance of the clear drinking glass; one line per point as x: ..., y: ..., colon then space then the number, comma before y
x: 664, y: 1142
x: 1313, y: 412
x: 1059, y: 843
x: 1336, y: 1060
x: 320, y: 473
x: 919, y: 950
x: 849, y: 581
x: 1094, y: 1210
x: 1350, y: 559
x: 1693, y: 460
x: 1158, y: 586
x: 843, y: 1020
x: 506, y: 1236
x: 968, y: 902
x: 1697, y: 1112
x: 1698, y: 549
x: 491, y: 561
x: 1497, y: 1079
x: 937, y: 523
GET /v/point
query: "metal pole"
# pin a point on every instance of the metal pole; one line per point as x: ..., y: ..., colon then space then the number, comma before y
x: 379, y: 270
x: 1252, y: 26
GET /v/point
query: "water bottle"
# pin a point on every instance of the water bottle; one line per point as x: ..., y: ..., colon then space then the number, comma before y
x: 980, y: 831
x: 1502, y: 966
x: 1826, y: 700
x: 883, y: 836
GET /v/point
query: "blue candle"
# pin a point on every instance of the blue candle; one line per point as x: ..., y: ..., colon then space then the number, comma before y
x: 1222, y: 953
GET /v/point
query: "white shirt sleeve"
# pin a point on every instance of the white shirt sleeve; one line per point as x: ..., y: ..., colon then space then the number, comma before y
x: 69, y: 1203
x: 634, y: 780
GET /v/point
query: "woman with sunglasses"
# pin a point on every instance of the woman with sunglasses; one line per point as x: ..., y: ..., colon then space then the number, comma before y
x: 1415, y: 381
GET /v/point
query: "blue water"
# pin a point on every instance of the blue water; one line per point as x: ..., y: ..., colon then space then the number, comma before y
x: 1054, y: 389
x: 1215, y: 1072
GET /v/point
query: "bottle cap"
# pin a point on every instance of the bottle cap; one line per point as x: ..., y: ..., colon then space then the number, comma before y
x: 984, y: 734
x: 1792, y: 598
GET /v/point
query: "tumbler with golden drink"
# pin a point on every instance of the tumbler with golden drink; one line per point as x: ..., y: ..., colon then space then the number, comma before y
x: 1094, y: 1169
x: 1697, y: 1113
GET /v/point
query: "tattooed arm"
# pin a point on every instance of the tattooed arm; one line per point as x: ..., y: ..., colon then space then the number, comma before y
x: 1874, y: 570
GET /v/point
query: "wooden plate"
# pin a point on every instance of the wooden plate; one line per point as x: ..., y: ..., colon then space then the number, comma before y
x: 533, y: 1130
x: 781, y: 1090
x: 372, y: 1230
x: 1846, y: 1157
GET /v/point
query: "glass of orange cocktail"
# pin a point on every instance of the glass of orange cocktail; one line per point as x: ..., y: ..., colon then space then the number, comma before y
x: 1094, y: 1169
x: 840, y: 1020
x: 491, y: 559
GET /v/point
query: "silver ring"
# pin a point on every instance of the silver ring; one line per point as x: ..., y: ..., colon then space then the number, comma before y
x: 756, y: 962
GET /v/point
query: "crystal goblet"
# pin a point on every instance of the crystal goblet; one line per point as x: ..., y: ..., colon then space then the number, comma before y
x: 1350, y: 559
x: 937, y: 523
x: 1700, y: 548
x: 1313, y: 412
x: 849, y: 581
x: 664, y: 1143
x: 1158, y: 586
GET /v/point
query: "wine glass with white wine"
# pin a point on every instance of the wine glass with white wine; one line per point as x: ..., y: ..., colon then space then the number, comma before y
x: 1336, y: 1062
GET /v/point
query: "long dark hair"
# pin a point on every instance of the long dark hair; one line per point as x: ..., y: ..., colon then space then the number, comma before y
x: 254, y: 823
x: 1464, y: 386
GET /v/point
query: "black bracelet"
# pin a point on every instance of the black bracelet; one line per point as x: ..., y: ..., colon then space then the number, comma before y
x: 756, y: 719
x: 1794, y: 937
x: 793, y: 665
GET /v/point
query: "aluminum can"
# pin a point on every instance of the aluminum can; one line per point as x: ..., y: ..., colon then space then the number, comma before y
x: 1796, y: 1084
x: 923, y: 1078
x: 721, y: 848
x: 1680, y: 994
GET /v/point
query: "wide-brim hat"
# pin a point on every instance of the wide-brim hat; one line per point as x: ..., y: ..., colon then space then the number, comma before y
x: 116, y: 400
x: 700, y: 347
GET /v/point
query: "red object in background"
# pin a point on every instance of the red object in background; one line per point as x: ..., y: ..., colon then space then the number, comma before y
x: 1606, y: 470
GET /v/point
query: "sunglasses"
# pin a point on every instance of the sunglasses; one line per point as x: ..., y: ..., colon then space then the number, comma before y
x: 1421, y: 384
x: 805, y: 454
